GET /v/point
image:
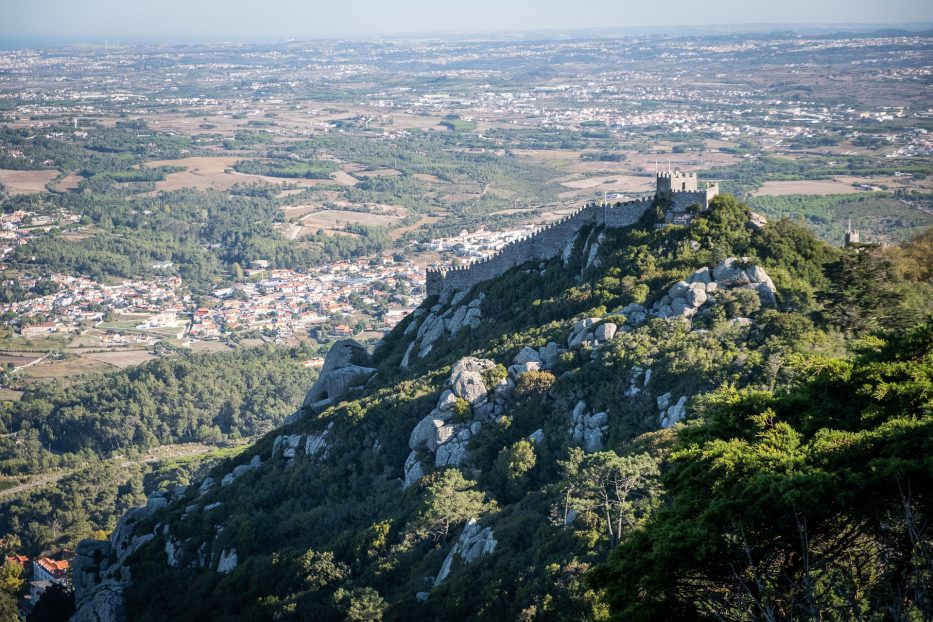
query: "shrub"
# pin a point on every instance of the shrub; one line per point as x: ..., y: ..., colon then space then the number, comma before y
x: 494, y: 375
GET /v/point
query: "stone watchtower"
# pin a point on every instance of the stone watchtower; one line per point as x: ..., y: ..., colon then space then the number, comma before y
x: 681, y: 191
x: 676, y: 181
x: 852, y: 236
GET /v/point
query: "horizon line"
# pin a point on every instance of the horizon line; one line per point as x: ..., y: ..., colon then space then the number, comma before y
x: 40, y: 42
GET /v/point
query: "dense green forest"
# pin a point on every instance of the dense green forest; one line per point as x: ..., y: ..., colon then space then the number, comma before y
x: 91, y: 437
x: 89, y: 498
x: 188, y: 397
x: 796, y: 488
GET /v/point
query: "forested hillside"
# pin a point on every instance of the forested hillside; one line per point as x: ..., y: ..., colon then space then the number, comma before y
x: 712, y: 421
x: 88, y: 452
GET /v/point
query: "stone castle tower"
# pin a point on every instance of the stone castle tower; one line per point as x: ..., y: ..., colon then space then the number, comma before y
x: 682, y: 190
x: 675, y: 181
x: 852, y: 235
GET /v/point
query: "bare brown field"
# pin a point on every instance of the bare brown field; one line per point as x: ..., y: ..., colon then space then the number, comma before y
x: 341, y: 177
x: 425, y: 220
x: 632, y: 183
x: 182, y: 123
x: 297, y: 211
x: 805, y: 186
x: 209, y: 346
x: 684, y: 161
x: 9, y: 395
x: 890, y: 182
x: 410, y: 122
x: 333, y: 219
x: 211, y: 172
x: 359, y: 171
x: 429, y: 178
x: 69, y: 183
x: 17, y: 359
x: 121, y: 358
x: 585, y: 188
x: 26, y: 182
x: 288, y: 193
x: 62, y: 369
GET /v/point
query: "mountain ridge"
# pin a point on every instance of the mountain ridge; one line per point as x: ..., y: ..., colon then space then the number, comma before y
x: 464, y: 481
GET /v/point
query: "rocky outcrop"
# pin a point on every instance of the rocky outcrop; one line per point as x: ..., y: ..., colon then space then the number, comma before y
x: 638, y: 381
x: 688, y: 298
x: 473, y: 542
x: 240, y: 469
x: 669, y: 414
x: 443, y: 434
x: 227, y: 562
x: 346, y: 365
x: 99, y: 575
x: 291, y: 445
x: 440, y: 323
x: 588, y: 430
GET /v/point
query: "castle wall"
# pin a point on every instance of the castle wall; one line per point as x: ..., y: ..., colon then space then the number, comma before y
x: 546, y: 243
x: 683, y: 200
x: 681, y: 188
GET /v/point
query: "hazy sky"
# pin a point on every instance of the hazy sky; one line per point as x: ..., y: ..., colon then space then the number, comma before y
x: 213, y: 20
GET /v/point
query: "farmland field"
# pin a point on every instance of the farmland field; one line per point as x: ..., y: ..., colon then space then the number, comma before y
x: 26, y: 182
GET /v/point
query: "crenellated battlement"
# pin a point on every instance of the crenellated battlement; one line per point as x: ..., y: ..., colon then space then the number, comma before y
x: 546, y: 242
x: 553, y: 239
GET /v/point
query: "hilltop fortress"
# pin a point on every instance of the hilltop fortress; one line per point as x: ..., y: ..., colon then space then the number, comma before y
x: 676, y: 192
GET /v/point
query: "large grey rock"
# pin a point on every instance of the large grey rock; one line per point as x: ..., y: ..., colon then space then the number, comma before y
x: 286, y: 443
x: 701, y: 276
x: 473, y: 542
x: 447, y: 401
x: 414, y: 470
x: 433, y: 331
x: 97, y: 598
x: 580, y: 330
x: 549, y: 354
x: 527, y: 355
x: 455, y: 323
x: 588, y: 429
x: 443, y: 432
x: 634, y: 313
x: 757, y: 221
x: 466, y: 379
x: 206, y: 485
x: 318, y: 443
x: 239, y: 470
x: 592, y: 440
x: 452, y: 453
x: 422, y: 436
x: 605, y: 332
x: 345, y: 365
x: 696, y: 294
x: 406, y: 360
x: 518, y: 370
x: 673, y: 414
x: 473, y: 318
x: 227, y: 561
x: 172, y: 551
x: 679, y: 290
x: 729, y: 272
x: 679, y: 305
